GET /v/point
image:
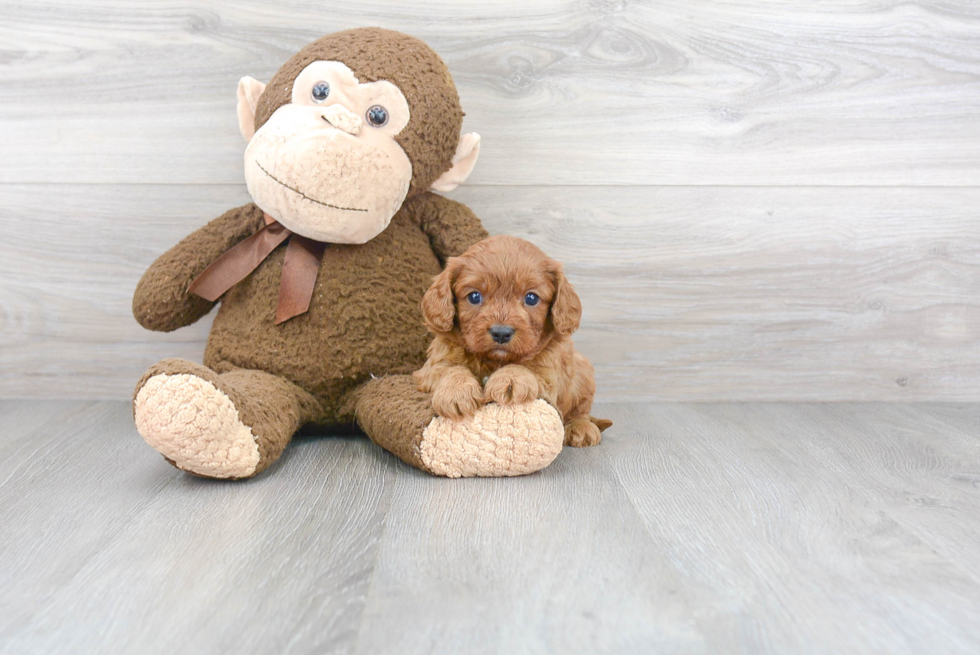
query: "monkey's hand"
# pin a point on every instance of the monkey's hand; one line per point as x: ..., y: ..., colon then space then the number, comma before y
x: 161, y: 301
x: 511, y: 385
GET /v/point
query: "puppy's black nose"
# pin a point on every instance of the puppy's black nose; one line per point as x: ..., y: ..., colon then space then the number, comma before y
x: 501, y: 333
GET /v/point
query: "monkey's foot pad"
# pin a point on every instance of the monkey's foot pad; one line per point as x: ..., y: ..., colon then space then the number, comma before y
x: 499, y: 440
x: 196, y: 426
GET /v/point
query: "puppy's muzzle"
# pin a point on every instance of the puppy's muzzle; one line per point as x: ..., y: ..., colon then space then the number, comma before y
x: 501, y: 333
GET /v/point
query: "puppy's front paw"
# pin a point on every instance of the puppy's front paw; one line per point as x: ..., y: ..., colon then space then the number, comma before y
x: 457, y: 399
x: 511, y: 385
x: 581, y: 432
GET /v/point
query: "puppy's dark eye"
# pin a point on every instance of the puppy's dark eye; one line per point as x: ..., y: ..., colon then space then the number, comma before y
x: 531, y: 299
x: 320, y: 92
x: 475, y: 298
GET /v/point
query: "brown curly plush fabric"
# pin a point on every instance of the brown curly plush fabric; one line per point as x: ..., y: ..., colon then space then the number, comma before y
x: 346, y: 360
x: 376, y: 54
x: 271, y: 407
x: 364, y: 320
x: 499, y: 441
x: 161, y: 301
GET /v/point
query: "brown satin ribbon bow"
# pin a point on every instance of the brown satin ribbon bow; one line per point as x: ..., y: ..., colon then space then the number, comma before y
x: 299, y: 269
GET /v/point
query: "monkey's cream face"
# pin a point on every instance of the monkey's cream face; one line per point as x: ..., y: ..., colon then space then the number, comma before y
x: 327, y: 166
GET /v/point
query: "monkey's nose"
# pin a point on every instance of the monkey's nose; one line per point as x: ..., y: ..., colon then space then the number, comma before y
x: 501, y: 333
x: 343, y: 119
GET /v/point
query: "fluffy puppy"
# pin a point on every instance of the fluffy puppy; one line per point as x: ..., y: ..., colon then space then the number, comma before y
x: 503, y: 314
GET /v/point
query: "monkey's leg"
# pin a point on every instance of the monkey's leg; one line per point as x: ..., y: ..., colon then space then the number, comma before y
x: 499, y: 440
x: 232, y: 425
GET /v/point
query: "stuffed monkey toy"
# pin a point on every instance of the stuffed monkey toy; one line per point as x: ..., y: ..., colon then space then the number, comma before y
x: 320, y: 279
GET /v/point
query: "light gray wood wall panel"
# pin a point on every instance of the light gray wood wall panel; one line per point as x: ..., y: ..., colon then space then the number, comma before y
x: 630, y: 139
x: 706, y: 293
x: 563, y: 91
x: 693, y: 528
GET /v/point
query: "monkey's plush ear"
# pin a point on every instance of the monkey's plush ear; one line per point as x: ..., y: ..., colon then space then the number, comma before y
x: 566, y: 308
x: 438, y: 303
x: 249, y: 91
x: 464, y: 160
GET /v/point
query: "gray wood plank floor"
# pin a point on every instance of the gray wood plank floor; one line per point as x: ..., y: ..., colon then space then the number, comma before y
x: 694, y: 528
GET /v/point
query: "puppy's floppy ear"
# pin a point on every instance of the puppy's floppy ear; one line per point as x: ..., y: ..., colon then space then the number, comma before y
x: 438, y: 303
x: 566, y: 308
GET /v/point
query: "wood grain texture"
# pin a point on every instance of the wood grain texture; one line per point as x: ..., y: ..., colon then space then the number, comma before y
x: 922, y: 483
x: 705, y: 528
x: 640, y: 143
x: 810, y: 547
x: 563, y: 91
x: 703, y: 293
x: 153, y: 560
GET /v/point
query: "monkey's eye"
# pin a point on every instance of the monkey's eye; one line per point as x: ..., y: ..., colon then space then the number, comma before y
x: 475, y: 297
x: 531, y: 299
x: 377, y: 116
x: 320, y: 92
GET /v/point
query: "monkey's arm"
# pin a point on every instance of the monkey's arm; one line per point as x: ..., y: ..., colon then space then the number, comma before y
x: 161, y: 301
x: 452, y: 227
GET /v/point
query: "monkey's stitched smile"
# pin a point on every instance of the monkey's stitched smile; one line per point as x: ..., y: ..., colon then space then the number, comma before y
x: 297, y: 191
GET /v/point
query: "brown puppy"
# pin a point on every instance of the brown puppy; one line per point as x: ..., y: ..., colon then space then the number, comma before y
x: 503, y: 314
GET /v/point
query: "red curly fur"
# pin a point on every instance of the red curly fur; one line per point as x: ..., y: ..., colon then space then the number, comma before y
x: 467, y: 367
